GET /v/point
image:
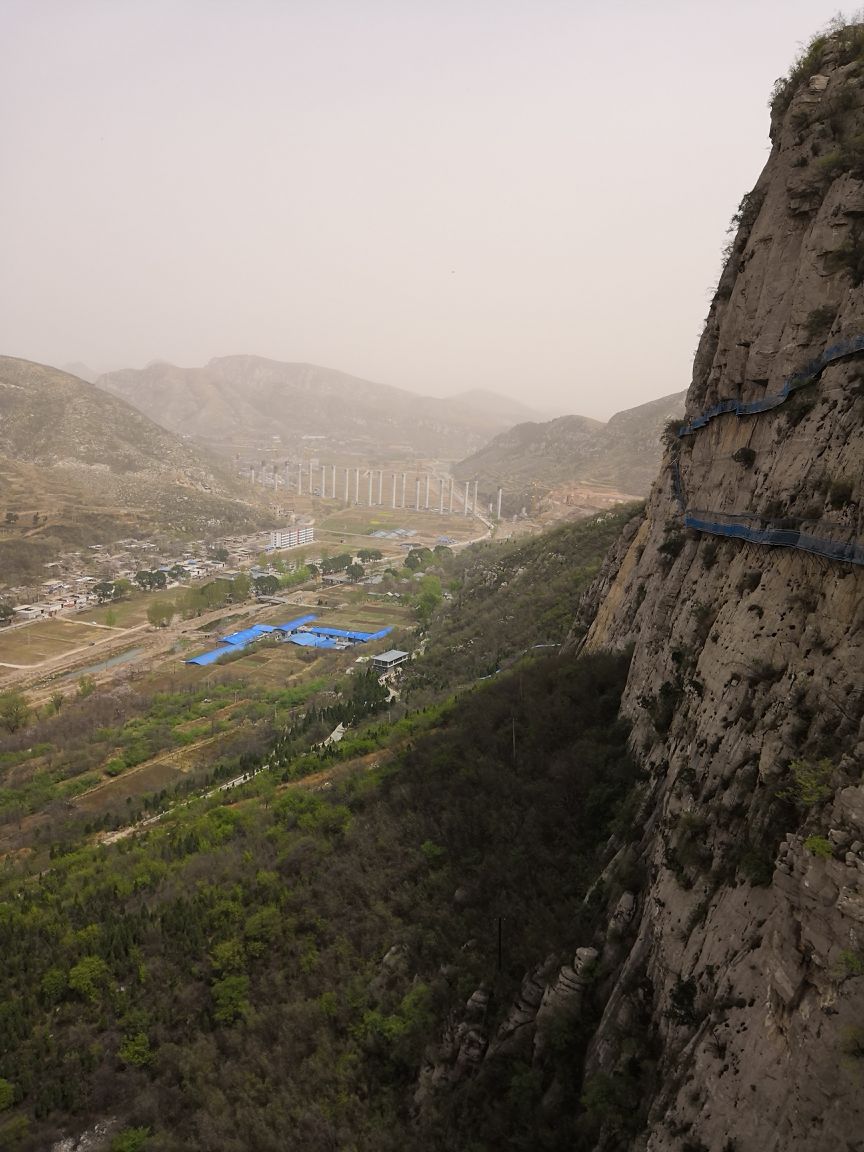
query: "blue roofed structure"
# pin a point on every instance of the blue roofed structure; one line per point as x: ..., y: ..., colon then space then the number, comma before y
x: 295, y: 632
x: 247, y: 635
x: 350, y: 634
x: 211, y: 657
x: 293, y: 625
x: 309, y: 640
x: 234, y: 642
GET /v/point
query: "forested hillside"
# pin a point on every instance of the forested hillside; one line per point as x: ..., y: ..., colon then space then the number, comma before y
x: 297, y: 962
x: 511, y: 598
x: 273, y: 972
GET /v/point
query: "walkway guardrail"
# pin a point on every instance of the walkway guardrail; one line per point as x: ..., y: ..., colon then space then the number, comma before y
x: 819, y: 537
x: 745, y: 528
x: 806, y: 375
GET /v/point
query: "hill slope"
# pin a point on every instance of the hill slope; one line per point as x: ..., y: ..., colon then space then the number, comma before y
x: 513, y: 597
x: 623, y: 454
x: 248, y: 403
x: 90, y: 467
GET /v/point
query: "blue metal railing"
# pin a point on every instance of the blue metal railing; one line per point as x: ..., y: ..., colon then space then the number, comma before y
x: 724, y: 524
x: 788, y: 532
x: 806, y: 375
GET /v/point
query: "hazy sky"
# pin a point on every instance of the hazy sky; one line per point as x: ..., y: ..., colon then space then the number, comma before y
x: 524, y: 195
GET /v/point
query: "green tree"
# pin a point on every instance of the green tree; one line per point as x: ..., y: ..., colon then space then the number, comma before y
x: 811, y: 783
x: 430, y: 597
x: 161, y: 613
x: 230, y: 998
x: 86, y: 686
x: 88, y: 977
x: 130, y: 1140
x: 355, y: 572
x: 110, y: 617
x: 298, y: 576
x: 136, y: 1050
x: 6, y: 612
x: 14, y: 711
x: 266, y: 585
x: 7, y: 1095
x: 241, y: 586
x: 144, y: 579
x: 122, y: 587
x: 104, y: 590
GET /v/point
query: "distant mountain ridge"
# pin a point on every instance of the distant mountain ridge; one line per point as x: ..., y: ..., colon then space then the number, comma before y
x: 78, y: 465
x: 239, y: 403
x: 623, y: 454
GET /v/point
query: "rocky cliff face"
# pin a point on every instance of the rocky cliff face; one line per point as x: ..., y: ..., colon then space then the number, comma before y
x: 740, y: 985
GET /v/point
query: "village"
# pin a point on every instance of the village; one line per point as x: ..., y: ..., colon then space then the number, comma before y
x: 77, y: 576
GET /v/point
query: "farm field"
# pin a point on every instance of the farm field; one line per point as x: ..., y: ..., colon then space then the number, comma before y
x: 130, y: 612
x: 28, y: 645
x: 427, y: 525
x: 154, y: 724
x: 45, y: 639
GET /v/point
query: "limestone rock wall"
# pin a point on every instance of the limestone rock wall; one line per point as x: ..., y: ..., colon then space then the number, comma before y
x: 746, y: 689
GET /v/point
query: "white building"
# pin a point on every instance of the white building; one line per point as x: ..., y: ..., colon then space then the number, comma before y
x: 292, y: 537
x: 391, y: 659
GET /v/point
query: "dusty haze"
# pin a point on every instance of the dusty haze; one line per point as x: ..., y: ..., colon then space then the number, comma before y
x: 526, y: 196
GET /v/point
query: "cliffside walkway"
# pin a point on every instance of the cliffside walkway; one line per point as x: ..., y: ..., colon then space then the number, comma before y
x: 819, y: 537
x: 808, y: 375
x: 737, y: 526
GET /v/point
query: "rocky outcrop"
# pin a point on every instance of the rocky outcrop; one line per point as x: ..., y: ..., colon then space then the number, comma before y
x: 746, y: 689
